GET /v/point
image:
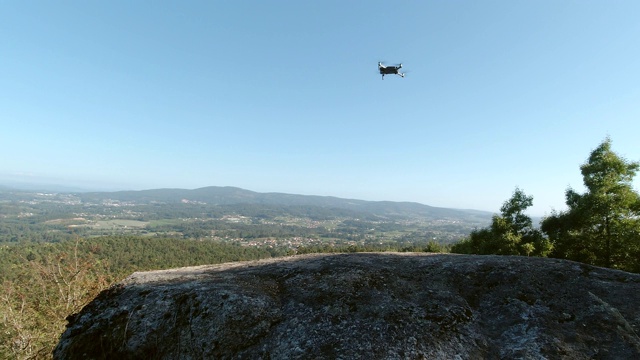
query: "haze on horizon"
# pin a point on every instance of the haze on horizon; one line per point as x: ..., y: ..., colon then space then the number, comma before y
x: 285, y: 96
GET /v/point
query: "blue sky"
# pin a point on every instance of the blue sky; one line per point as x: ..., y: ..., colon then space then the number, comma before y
x: 284, y: 96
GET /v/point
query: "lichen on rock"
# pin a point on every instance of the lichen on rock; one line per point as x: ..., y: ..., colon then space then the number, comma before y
x: 364, y: 306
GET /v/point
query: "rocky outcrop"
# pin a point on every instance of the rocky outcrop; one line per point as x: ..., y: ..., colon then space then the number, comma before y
x: 364, y: 306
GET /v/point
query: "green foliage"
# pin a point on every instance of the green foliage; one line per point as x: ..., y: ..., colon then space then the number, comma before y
x: 510, y: 233
x: 601, y: 226
x: 417, y: 246
x: 37, y: 295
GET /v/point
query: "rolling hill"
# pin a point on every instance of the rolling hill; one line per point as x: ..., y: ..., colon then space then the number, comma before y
x: 214, y: 195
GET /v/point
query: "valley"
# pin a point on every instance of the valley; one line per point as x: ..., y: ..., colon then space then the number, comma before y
x: 230, y: 215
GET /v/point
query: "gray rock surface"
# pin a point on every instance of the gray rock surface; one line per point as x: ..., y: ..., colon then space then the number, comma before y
x: 364, y: 306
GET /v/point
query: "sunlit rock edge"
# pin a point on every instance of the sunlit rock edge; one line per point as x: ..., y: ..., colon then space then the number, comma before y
x: 364, y: 306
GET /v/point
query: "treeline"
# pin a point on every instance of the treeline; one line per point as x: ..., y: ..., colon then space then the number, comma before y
x: 14, y: 232
x: 600, y: 227
x: 122, y: 255
x: 415, y: 246
x: 344, y: 230
x: 225, y: 229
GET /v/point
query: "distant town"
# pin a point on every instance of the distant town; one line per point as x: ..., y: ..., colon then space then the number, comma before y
x: 52, y: 216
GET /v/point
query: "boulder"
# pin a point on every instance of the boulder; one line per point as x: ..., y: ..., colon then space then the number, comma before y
x: 364, y: 306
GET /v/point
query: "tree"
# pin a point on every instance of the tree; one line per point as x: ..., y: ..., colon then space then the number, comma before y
x: 510, y: 233
x: 601, y: 226
x: 35, y: 303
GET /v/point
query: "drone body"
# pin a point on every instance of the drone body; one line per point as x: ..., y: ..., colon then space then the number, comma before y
x: 389, y: 69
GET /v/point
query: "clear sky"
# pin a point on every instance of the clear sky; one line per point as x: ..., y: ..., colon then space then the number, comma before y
x: 284, y: 96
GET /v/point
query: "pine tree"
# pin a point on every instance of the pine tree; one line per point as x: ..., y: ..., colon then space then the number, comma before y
x: 510, y: 233
x: 601, y: 226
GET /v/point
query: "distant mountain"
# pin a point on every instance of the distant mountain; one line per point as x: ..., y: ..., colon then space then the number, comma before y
x: 215, y: 195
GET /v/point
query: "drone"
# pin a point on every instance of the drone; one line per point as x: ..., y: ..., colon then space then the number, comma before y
x: 389, y: 70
